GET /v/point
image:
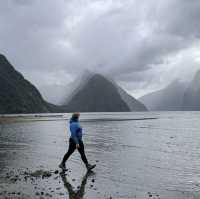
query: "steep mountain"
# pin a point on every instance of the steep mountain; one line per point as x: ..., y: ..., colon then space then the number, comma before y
x: 133, y: 104
x: 167, y: 99
x: 74, y: 87
x: 17, y: 95
x: 191, y: 98
x: 98, y: 94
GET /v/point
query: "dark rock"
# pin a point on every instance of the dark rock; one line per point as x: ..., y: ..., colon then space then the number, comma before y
x: 46, y: 175
x: 37, y: 193
x: 14, y: 179
x: 150, y: 195
x: 56, y: 171
x: 56, y: 177
x: 40, y: 173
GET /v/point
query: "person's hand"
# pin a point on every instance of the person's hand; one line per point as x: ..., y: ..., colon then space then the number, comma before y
x: 77, y: 146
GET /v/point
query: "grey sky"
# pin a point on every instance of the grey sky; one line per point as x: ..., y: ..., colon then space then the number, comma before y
x: 142, y: 44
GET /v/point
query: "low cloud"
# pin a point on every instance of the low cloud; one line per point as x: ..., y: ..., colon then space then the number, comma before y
x: 137, y: 43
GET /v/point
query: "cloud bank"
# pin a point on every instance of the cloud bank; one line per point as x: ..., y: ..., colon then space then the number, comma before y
x: 143, y: 45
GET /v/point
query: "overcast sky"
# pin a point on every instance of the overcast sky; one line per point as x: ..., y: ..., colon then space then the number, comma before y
x: 142, y: 44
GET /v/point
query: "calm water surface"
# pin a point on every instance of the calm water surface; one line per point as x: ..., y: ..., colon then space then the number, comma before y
x: 138, y: 155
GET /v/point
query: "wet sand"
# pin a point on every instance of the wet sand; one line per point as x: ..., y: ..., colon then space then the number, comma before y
x: 138, y: 155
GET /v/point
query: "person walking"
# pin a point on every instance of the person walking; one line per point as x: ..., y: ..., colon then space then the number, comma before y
x: 75, y: 142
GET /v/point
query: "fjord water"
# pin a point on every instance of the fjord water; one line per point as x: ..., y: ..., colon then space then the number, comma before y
x: 138, y: 155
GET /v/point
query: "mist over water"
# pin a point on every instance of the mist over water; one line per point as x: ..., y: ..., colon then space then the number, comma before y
x: 138, y: 155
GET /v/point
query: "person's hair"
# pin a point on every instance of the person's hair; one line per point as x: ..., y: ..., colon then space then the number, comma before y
x: 75, y: 115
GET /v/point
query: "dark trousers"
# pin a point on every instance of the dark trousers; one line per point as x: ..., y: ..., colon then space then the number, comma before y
x: 72, y: 148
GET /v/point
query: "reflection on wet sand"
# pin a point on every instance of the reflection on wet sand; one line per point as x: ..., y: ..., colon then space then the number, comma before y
x: 79, y: 193
x: 139, y: 158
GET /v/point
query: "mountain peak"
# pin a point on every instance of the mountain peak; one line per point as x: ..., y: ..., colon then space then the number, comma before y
x: 2, y: 56
x: 97, y: 94
x: 4, y: 60
x: 97, y: 77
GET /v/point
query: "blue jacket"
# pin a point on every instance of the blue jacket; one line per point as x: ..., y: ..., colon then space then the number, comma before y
x: 76, y: 130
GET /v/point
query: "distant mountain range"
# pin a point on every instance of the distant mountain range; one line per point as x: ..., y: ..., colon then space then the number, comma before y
x: 178, y: 96
x: 169, y: 98
x: 92, y: 93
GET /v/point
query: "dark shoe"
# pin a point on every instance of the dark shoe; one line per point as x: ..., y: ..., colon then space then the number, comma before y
x: 90, y: 166
x: 62, y: 166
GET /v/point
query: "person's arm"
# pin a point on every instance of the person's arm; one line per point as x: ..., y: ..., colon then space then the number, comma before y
x: 74, y: 133
x: 74, y: 137
x: 79, y: 130
x: 75, y: 129
x: 78, y: 134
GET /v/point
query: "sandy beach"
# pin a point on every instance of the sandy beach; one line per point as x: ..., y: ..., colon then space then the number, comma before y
x: 138, y: 155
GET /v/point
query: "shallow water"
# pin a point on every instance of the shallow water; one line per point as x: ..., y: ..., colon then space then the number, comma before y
x: 138, y: 155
